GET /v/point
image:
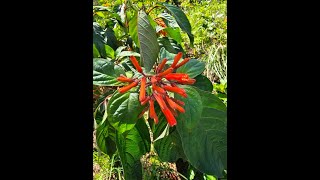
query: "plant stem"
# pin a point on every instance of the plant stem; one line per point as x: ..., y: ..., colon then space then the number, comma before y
x: 148, y: 11
x: 151, y: 137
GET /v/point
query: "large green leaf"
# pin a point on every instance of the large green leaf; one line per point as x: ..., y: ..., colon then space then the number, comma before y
x: 174, y: 33
x: 205, y: 145
x: 123, y: 110
x: 104, y: 139
x: 110, y: 38
x: 211, y: 100
x: 133, y: 29
x: 104, y: 131
x: 167, y: 141
x: 98, y: 39
x: 105, y: 72
x: 169, y: 20
x: 170, y: 45
x: 127, y: 53
x: 193, y: 107
x: 109, y: 51
x: 181, y: 19
x: 101, y: 135
x: 203, y: 83
x: 96, y: 53
x: 131, y: 147
x: 169, y: 148
x: 149, y: 47
x: 193, y: 68
x: 166, y: 54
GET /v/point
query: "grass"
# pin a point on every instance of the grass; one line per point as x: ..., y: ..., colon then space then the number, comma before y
x: 209, y: 26
x: 216, y: 63
x: 105, y: 168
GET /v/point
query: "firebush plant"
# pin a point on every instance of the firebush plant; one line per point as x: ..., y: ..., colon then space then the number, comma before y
x: 152, y: 105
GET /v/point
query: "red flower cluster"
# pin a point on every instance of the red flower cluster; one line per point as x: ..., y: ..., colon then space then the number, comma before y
x: 161, y: 82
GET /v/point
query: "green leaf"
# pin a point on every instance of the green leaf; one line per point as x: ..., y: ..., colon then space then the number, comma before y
x: 105, y: 72
x: 193, y: 68
x: 96, y: 53
x: 109, y: 51
x: 123, y: 110
x: 166, y: 54
x: 208, y: 177
x: 131, y: 147
x: 110, y: 38
x: 101, y: 135
x: 127, y: 53
x: 174, y: 33
x: 100, y: 14
x: 205, y: 145
x: 101, y: 8
x: 181, y: 19
x: 104, y: 139
x: 211, y: 100
x: 164, y: 133
x: 153, y: 24
x: 149, y: 47
x: 170, y: 45
x: 203, y: 83
x: 193, y: 107
x: 159, y: 28
x: 98, y: 39
x: 119, y: 49
x: 133, y: 29
x: 169, y: 148
x: 169, y: 20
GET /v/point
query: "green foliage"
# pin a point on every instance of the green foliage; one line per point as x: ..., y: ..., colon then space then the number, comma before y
x: 149, y: 47
x: 131, y: 147
x: 105, y: 72
x: 133, y: 29
x: 151, y: 31
x: 123, y: 110
x: 203, y: 83
x: 209, y: 22
x: 205, y: 142
x: 181, y: 19
x: 105, y: 167
x: 193, y: 68
x: 193, y: 107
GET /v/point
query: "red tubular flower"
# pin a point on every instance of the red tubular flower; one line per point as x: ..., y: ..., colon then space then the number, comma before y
x: 122, y: 78
x: 187, y: 81
x: 128, y: 87
x: 177, y: 90
x: 158, y: 89
x: 176, y: 76
x: 182, y: 63
x: 169, y: 116
x: 174, y: 105
x: 176, y: 59
x: 160, y: 67
x: 160, y: 101
x: 181, y: 103
x: 152, y: 112
x: 143, y: 102
x: 153, y: 80
x: 164, y: 73
x: 175, y: 114
x: 136, y: 64
x: 142, y: 94
x: 163, y: 81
